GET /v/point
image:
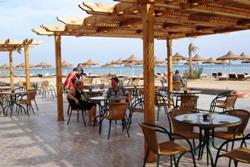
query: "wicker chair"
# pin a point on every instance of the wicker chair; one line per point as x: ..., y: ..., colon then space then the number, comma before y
x: 239, y: 154
x: 73, y: 107
x: 236, y: 131
x: 224, y: 100
x: 45, y: 88
x: 177, y: 85
x: 162, y: 101
x: 30, y: 96
x: 167, y: 148
x: 117, y: 111
x: 137, y: 106
x: 187, y: 101
x: 186, y: 130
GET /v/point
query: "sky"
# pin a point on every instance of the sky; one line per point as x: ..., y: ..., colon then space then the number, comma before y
x: 19, y: 17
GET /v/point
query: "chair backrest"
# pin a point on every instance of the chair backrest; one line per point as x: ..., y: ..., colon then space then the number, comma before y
x: 135, y: 82
x: 230, y: 101
x: 188, y: 101
x: 244, y: 116
x: 177, y: 85
x: 117, y: 111
x: 87, y: 80
x: 150, y: 137
x: 72, y: 104
x: 31, y: 94
x: 178, y: 126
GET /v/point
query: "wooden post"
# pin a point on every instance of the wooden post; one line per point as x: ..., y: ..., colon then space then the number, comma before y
x: 58, y: 57
x: 11, y: 69
x: 148, y: 66
x: 27, y: 66
x: 170, y: 67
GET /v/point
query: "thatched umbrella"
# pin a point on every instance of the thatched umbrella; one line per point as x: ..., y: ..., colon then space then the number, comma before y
x: 229, y: 56
x: 244, y: 59
x: 131, y: 61
x: 198, y: 58
x: 65, y: 64
x: 210, y: 61
x: 21, y: 65
x: 159, y: 62
x: 89, y: 63
x: 4, y: 67
x: 43, y: 65
x: 177, y: 58
x: 118, y: 62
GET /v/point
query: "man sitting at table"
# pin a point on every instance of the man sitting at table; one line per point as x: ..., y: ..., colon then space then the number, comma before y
x: 116, y: 89
x: 178, y: 78
x: 79, y: 99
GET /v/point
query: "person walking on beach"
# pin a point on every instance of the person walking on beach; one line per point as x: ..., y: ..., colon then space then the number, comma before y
x: 79, y: 99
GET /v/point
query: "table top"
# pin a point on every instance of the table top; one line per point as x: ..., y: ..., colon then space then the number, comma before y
x: 5, y: 87
x: 12, y: 93
x: 186, y: 92
x: 216, y: 120
x: 133, y: 87
x: 93, y: 90
x: 103, y: 98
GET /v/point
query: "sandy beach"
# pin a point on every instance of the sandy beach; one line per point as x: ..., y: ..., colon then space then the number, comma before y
x: 209, y: 83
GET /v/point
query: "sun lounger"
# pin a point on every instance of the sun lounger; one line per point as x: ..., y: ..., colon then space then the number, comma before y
x: 219, y: 74
x: 232, y: 77
x: 223, y: 77
x: 241, y: 77
x: 214, y: 75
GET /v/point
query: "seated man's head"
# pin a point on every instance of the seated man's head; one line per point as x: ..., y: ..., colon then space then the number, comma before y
x: 177, y: 72
x: 79, y: 84
x: 114, y: 82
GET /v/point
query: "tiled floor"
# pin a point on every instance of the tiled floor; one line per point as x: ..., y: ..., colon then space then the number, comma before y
x: 39, y: 140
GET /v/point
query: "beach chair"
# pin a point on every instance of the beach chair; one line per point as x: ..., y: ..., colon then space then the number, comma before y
x: 219, y: 74
x: 73, y: 107
x: 241, y: 77
x: 232, y: 76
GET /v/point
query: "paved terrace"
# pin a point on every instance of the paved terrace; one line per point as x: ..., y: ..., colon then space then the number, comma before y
x: 39, y: 140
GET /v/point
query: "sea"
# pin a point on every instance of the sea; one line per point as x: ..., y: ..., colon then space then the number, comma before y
x: 137, y: 70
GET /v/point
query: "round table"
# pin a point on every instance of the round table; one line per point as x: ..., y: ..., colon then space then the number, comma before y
x: 93, y: 90
x: 215, y: 121
x: 180, y: 92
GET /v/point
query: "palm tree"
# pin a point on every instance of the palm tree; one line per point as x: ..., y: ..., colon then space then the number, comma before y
x: 191, y: 50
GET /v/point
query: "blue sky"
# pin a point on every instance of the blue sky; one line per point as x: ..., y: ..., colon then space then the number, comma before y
x: 18, y: 17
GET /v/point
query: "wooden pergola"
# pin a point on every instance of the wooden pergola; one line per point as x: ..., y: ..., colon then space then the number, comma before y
x: 149, y: 20
x: 17, y: 45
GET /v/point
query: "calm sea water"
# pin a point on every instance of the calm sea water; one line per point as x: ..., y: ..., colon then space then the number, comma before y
x: 207, y: 69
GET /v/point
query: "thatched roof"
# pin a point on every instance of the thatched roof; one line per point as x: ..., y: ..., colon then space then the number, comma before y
x: 66, y: 64
x: 229, y: 56
x: 173, y: 19
x: 211, y: 60
x: 43, y: 65
x: 16, y: 45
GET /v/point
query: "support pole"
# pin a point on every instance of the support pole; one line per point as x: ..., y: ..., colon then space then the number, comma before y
x: 27, y: 66
x: 148, y: 66
x: 58, y: 57
x: 170, y: 67
x: 11, y: 69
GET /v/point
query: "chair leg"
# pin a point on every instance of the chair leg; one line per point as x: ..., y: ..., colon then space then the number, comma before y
x: 109, y: 128
x: 126, y: 127
x: 158, y: 160
x: 36, y: 104
x: 83, y: 118
x: 32, y: 108
x: 68, y: 109
x: 235, y: 163
x: 194, y: 147
x: 146, y: 157
x: 158, y: 113
x: 77, y: 115
x: 69, y: 116
x: 27, y: 107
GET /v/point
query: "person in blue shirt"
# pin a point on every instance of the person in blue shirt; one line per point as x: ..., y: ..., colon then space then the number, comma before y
x: 116, y: 89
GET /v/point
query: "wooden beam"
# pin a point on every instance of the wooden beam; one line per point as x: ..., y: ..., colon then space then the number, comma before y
x: 11, y: 69
x: 148, y: 67
x: 170, y: 66
x: 58, y: 57
x: 27, y: 66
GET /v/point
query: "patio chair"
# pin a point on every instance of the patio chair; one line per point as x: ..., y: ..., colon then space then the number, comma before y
x: 166, y: 148
x: 225, y: 104
x: 177, y: 85
x: 236, y: 131
x: 45, y: 88
x: 241, y: 77
x: 187, y: 101
x: 185, y: 129
x: 162, y: 101
x: 214, y: 75
x: 232, y: 76
x: 27, y: 99
x: 137, y: 106
x: 220, y: 98
x: 116, y: 112
x: 240, y: 154
x: 73, y: 107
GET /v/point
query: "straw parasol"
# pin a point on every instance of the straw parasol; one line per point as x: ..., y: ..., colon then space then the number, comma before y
x: 177, y: 58
x: 65, y: 64
x: 21, y: 65
x: 4, y: 67
x: 229, y: 56
x: 43, y: 65
x: 119, y: 61
x: 210, y: 61
x: 198, y: 58
x: 107, y: 65
x: 131, y: 61
x: 244, y: 59
x: 89, y: 63
x: 159, y: 62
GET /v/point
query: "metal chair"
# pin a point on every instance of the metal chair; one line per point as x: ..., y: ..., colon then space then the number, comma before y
x: 137, y: 106
x: 239, y: 154
x: 166, y: 148
x: 220, y: 99
x: 225, y: 105
x: 73, y: 107
x: 162, y: 101
x: 116, y: 112
x: 30, y: 96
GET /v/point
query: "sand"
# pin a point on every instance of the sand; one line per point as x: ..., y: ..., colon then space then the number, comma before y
x: 211, y: 83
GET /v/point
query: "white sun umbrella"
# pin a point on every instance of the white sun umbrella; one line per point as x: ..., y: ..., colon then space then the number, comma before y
x: 229, y: 56
x: 243, y: 57
x: 210, y: 61
x: 132, y: 60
